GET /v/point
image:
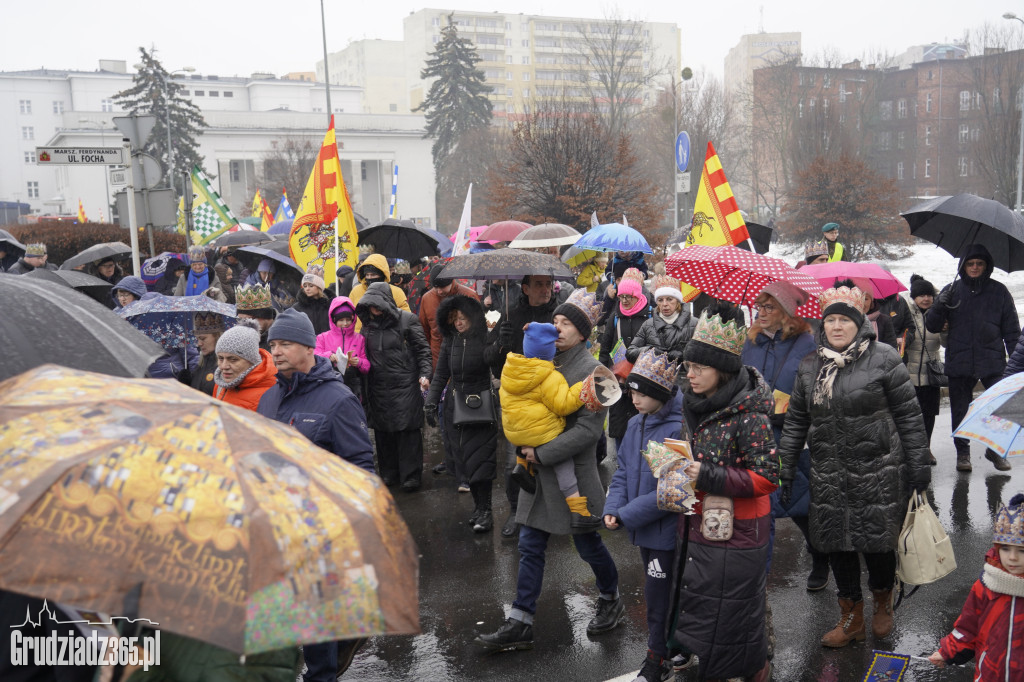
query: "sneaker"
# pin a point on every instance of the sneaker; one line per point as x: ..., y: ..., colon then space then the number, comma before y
x: 682, y: 662
x: 998, y: 462
x: 484, y: 522
x: 475, y: 516
x: 655, y: 669
x: 963, y: 461
x: 513, y: 635
x: 412, y: 485
x: 586, y: 523
x: 511, y: 528
x: 609, y: 615
x: 463, y: 487
x: 440, y: 468
x: 521, y: 476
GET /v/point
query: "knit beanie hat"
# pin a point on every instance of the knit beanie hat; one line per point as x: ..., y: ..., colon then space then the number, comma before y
x: 242, y: 340
x: 292, y: 325
x: 787, y: 295
x: 843, y: 299
x: 314, y: 275
x: 132, y: 284
x: 196, y: 254
x: 582, y: 309
x: 1009, y: 525
x: 435, y: 272
x: 718, y: 338
x: 539, y: 341
x: 629, y: 287
x: 619, y: 268
x: 919, y: 286
x: 654, y: 375
x: 828, y: 227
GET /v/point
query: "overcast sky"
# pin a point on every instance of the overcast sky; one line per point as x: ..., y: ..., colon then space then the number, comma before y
x: 231, y: 37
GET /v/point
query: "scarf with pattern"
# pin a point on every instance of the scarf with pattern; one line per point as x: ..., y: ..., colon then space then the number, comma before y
x: 833, y: 362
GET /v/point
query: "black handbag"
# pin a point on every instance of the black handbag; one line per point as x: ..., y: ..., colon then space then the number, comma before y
x: 474, y: 408
x: 936, y: 372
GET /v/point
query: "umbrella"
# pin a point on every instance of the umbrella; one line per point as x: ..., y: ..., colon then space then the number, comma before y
x: 545, y: 234
x: 282, y: 226
x: 153, y: 268
x: 98, y: 252
x: 241, y: 238
x: 573, y: 256
x: 505, y: 264
x: 613, y: 237
x: 231, y: 528
x: 760, y: 235
x: 995, y: 418
x: 277, y: 250
x: 882, y: 282
x: 168, y: 319
x: 9, y: 243
x: 739, y: 276
x: 46, y: 322
x: 503, y: 231
x: 95, y: 288
x: 399, y: 239
x: 953, y: 223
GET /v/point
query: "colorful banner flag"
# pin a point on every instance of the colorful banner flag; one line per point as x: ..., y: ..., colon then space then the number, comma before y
x: 462, y: 236
x: 257, y: 205
x: 211, y: 217
x: 325, y: 224
x: 886, y: 667
x: 717, y: 220
x: 267, y: 215
x: 81, y: 213
x: 394, y: 191
x: 284, y: 209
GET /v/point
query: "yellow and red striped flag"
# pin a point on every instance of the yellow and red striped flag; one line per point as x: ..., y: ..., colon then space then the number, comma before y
x: 717, y: 220
x: 257, y: 205
x: 267, y: 215
x: 81, y: 213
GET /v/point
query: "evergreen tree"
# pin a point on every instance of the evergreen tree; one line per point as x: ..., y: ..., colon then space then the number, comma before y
x: 152, y: 92
x: 457, y: 100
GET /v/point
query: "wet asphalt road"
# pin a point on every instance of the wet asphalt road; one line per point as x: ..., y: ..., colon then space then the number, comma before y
x: 467, y: 583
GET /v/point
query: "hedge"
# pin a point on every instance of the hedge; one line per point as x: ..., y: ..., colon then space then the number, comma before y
x: 64, y: 240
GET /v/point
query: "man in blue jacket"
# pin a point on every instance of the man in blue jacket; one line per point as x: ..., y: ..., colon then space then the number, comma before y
x: 983, y: 329
x: 313, y: 398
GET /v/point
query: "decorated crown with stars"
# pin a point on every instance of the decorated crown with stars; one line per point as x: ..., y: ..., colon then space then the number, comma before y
x: 1009, y: 525
x: 727, y: 336
x: 252, y: 297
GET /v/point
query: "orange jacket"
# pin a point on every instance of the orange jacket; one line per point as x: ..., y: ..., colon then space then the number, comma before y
x: 252, y: 388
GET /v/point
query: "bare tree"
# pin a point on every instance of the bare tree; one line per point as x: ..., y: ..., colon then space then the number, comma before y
x: 286, y: 165
x: 470, y: 162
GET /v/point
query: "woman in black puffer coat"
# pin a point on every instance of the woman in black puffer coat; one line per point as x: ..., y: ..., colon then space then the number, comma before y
x: 632, y: 309
x: 854, y: 406
x: 461, y: 367
x: 669, y: 328
x: 399, y: 369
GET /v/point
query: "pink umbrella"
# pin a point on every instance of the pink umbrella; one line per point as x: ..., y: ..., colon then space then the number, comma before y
x: 882, y: 282
x: 739, y: 276
x: 505, y: 230
x: 474, y: 235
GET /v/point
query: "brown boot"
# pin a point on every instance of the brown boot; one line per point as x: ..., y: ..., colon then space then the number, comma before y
x: 850, y: 626
x: 881, y: 620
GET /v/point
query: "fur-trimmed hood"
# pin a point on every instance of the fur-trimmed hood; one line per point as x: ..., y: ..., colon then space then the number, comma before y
x: 469, y: 307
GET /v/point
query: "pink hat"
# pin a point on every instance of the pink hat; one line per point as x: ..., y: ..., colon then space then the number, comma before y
x: 629, y: 287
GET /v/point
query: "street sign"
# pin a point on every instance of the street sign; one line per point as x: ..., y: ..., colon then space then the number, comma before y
x: 682, y: 183
x: 74, y: 156
x: 147, y: 170
x: 682, y: 151
x: 119, y: 177
x: 152, y: 207
x: 136, y: 128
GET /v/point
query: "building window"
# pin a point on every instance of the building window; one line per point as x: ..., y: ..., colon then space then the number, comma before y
x: 962, y: 166
x: 508, y: 59
x: 885, y: 140
x: 929, y: 75
x: 214, y: 93
x: 802, y: 78
x: 436, y: 21
x: 842, y: 93
x: 508, y: 25
x: 184, y: 92
x: 199, y: 93
x: 526, y: 42
x: 392, y: 108
x: 885, y: 110
x: 928, y: 103
x: 927, y: 168
x: 965, y: 101
x: 800, y: 109
x: 229, y: 93
x: 964, y: 133
x: 526, y: 75
x: 826, y: 81
x: 975, y: 134
x: 901, y: 108
x: 976, y: 100
x: 811, y: 104
x: 33, y: 189
x: 899, y: 170
x: 824, y: 106
x: 25, y: 106
x: 842, y: 118
x: 997, y: 96
x: 508, y: 75
x: 526, y: 60
x: 508, y: 42
x: 901, y: 139
x: 30, y: 157
x: 526, y: 93
x: 435, y: 39
x: 235, y: 169
x: 28, y: 133
x: 928, y: 136
x: 58, y: 106
x: 106, y: 105
x: 508, y: 92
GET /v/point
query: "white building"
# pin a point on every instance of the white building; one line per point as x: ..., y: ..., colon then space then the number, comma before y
x: 757, y: 51
x: 377, y: 68
x: 244, y: 116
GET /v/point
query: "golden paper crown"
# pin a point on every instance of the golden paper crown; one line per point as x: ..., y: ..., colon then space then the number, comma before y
x: 252, y: 297
x: 728, y: 336
x: 1009, y: 525
x: 208, y: 323
x: 815, y: 249
x: 656, y: 367
x: 664, y: 281
x: 852, y: 297
x: 35, y: 250
x: 587, y: 303
x: 635, y: 275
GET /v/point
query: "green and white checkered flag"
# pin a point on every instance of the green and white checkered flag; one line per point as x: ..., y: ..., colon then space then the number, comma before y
x: 211, y: 217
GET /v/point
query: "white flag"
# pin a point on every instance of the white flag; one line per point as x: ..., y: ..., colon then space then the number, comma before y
x: 461, y: 237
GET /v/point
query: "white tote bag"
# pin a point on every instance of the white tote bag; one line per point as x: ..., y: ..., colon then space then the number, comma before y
x: 925, y: 552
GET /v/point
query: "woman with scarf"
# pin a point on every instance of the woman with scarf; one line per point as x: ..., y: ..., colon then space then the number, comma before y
x: 670, y: 327
x: 199, y: 277
x: 632, y: 309
x: 244, y: 370
x: 922, y: 346
x: 854, y: 405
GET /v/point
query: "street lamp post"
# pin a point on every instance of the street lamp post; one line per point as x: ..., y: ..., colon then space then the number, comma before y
x: 106, y: 169
x: 1020, y: 150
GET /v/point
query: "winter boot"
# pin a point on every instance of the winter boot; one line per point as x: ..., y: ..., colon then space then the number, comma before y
x: 523, y: 474
x: 769, y: 628
x: 881, y: 620
x: 582, y: 519
x: 818, y: 578
x: 513, y: 635
x: 850, y: 626
x: 655, y: 669
x: 963, y: 459
x: 998, y: 462
x: 609, y: 615
x: 485, y: 519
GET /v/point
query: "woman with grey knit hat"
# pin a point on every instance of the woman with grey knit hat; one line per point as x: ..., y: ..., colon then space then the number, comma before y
x: 244, y: 370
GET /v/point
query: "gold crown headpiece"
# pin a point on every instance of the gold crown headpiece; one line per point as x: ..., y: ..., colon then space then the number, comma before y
x: 1009, y: 525
x: 587, y: 303
x: 252, y: 297
x: 852, y: 297
x: 208, y: 323
x: 728, y: 336
x: 656, y: 367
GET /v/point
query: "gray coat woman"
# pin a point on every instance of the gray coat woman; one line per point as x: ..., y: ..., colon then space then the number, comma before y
x: 922, y: 346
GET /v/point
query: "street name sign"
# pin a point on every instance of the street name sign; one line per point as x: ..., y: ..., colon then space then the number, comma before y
x: 73, y: 156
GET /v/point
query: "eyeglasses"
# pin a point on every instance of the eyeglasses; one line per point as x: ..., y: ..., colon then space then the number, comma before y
x: 767, y: 307
x: 694, y: 368
x: 975, y: 263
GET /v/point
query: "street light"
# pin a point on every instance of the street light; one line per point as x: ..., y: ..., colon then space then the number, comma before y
x: 106, y: 169
x: 1020, y: 150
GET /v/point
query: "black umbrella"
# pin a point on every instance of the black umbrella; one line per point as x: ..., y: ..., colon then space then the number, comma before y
x: 289, y: 274
x: 98, y: 252
x: 46, y: 322
x: 95, y: 288
x: 9, y: 243
x: 506, y: 264
x: 954, y: 223
x: 241, y: 238
x: 760, y: 235
x: 399, y: 239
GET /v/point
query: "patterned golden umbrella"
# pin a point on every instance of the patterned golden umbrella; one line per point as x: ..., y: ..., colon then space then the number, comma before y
x: 237, y: 529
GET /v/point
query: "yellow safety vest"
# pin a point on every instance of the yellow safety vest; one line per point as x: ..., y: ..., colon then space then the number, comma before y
x: 837, y: 255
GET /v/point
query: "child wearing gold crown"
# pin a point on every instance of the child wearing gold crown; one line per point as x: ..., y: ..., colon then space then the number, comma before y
x: 535, y: 400
x: 990, y: 628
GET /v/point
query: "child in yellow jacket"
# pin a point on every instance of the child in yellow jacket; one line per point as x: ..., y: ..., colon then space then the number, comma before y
x: 535, y: 400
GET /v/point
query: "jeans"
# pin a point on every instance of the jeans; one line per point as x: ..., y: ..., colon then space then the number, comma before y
x: 846, y: 569
x: 961, y: 393
x: 532, y: 545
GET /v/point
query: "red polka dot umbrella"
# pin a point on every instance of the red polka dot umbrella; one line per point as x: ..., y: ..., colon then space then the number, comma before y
x: 739, y: 276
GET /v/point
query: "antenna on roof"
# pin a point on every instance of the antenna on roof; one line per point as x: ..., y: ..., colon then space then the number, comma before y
x: 760, y: 21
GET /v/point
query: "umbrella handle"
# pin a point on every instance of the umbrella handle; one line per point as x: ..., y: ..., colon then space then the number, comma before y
x: 951, y: 306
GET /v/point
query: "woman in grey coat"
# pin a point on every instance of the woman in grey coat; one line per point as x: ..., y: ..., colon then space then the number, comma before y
x: 921, y: 347
x: 670, y: 327
x: 854, y: 406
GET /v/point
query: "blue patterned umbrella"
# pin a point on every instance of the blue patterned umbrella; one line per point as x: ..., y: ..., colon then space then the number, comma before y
x: 613, y: 237
x: 168, y: 319
x: 993, y: 422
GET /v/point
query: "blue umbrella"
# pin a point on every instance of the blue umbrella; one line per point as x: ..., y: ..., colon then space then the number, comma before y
x: 992, y: 425
x: 281, y: 227
x: 168, y: 319
x: 613, y: 237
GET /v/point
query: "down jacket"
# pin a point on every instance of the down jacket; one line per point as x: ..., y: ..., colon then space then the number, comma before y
x: 868, y: 445
x: 983, y: 325
x: 381, y: 263
x: 257, y: 382
x: 664, y: 337
x: 990, y: 628
x: 720, y: 591
x: 625, y: 327
x: 348, y: 339
x: 633, y: 493
x: 535, y: 400
x: 399, y: 355
x: 316, y: 309
x: 917, y: 354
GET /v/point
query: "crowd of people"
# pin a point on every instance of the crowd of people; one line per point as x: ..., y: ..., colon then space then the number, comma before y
x: 825, y: 421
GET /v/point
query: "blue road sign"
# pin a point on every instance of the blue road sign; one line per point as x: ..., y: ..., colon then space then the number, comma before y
x: 682, y: 151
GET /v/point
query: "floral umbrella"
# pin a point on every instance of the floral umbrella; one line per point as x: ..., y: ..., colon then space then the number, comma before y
x: 168, y: 319
x: 231, y: 528
x: 996, y: 418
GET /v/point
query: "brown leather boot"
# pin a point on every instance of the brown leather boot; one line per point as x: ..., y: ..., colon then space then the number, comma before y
x: 881, y: 620
x: 850, y: 626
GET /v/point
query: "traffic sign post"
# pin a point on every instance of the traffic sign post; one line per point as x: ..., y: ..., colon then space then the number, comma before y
x: 682, y: 151
x: 133, y: 227
x: 79, y: 156
x: 683, y: 183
